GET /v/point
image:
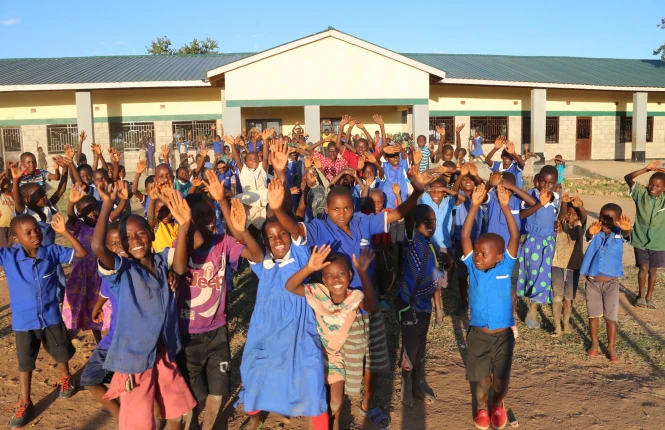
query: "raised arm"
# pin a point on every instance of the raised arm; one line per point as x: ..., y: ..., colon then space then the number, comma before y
x: 317, y: 261
x: 17, y: 171
x: 234, y: 151
x: 439, y: 150
x: 370, y: 302
x: 238, y: 220
x: 378, y: 119
x: 140, y: 168
x: 183, y: 215
x: 55, y: 176
x: 62, y: 185
x: 98, y: 243
x: 504, y: 200
x: 478, y: 196
x: 498, y: 144
x: 275, y: 201
x: 526, y: 197
x: 458, y: 130
x: 268, y: 134
x: 545, y: 198
x: 58, y: 224
x: 82, y: 138
x: 342, y: 123
x: 368, y: 136
x: 419, y: 181
x: 199, y: 166
x: 565, y: 201
x: 75, y: 195
x: 651, y: 167
x: 510, y: 148
x: 579, y: 204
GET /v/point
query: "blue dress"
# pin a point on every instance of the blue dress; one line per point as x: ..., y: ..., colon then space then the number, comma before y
x: 282, y: 367
x: 150, y: 154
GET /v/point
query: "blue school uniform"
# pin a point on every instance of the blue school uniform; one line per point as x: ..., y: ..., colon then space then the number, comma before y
x: 604, y: 256
x: 145, y: 301
x: 537, y: 252
x: 461, y: 211
x: 560, y: 169
x: 362, y: 228
x: 496, y: 221
x: 444, y: 220
x: 514, y: 168
x: 282, y: 362
x: 395, y: 175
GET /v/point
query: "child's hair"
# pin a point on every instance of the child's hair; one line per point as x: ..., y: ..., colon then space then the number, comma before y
x: 122, y: 230
x: 18, y: 220
x: 83, y: 166
x: 115, y: 225
x: 505, y: 154
x: 181, y: 168
x: 493, y: 238
x: 509, y: 177
x: 27, y: 154
x: 207, y: 159
x: 548, y: 170
x: 367, y: 204
x: 85, y: 201
x: 197, y: 201
x: 103, y: 172
x: 447, y: 147
x: 220, y: 161
x: 338, y: 192
x: 449, y: 164
x: 420, y: 211
x: 39, y: 148
x: 658, y: 175
x: 264, y: 236
x: 577, y: 210
x: 27, y: 190
x: 149, y: 180
x: 612, y: 207
x: 341, y: 257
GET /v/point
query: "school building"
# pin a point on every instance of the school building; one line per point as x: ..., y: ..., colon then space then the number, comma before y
x: 581, y: 108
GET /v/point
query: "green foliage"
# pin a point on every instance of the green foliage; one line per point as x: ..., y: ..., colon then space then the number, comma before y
x: 162, y: 46
x: 661, y: 48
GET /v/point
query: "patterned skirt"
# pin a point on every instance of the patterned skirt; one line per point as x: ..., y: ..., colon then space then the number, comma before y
x: 535, y: 276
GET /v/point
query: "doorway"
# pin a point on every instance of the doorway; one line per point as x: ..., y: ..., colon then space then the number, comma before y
x: 583, y: 142
x: 262, y: 124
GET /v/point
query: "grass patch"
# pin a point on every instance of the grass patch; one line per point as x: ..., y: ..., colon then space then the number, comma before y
x: 607, y: 187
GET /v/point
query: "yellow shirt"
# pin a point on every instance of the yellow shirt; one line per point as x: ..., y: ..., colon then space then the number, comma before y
x: 164, y: 236
x: 6, y: 210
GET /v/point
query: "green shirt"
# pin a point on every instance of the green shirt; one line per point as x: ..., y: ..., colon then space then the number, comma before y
x: 649, y: 219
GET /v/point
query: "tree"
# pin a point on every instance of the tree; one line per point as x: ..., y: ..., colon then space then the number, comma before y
x: 661, y: 48
x: 162, y: 46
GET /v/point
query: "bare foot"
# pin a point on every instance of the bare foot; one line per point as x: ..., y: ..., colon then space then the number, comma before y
x: 407, y: 389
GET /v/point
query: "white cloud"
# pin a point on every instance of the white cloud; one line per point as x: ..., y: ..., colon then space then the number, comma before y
x: 11, y: 21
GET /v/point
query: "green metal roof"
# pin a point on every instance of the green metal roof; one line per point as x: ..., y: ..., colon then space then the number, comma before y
x: 560, y: 70
x: 138, y: 68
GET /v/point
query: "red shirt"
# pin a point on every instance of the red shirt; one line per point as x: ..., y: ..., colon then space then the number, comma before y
x: 331, y: 168
x: 351, y: 158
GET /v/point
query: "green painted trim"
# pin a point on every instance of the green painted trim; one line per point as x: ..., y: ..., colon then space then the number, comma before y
x: 39, y: 121
x: 479, y: 113
x: 149, y: 118
x: 325, y: 102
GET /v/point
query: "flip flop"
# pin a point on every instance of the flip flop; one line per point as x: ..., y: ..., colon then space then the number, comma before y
x: 375, y: 416
x: 651, y: 305
x: 641, y: 303
x: 613, y: 359
x: 592, y: 353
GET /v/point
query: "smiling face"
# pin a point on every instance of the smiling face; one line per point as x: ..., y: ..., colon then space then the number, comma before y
x: 332, y: 152
x: 86, y: 174
x: 29, y: 162
x: 28, y: 234
x: 425, y: 221
x: 486, y: 252
x: 393, y: 159
x: 656, y: 186
x: 571, y: 216
x: 252, y: 160
x: 163, y: 175
x: 467, y: 185
x: 421, y: 141
x: 340, y: 209
x: 377, y: 197
x: 361, y: 146
x: 114, y: 244
x: 139, y: 238
x: 101, y: 180
x: 204, y: 217
x: 507, y: 161
x: 436, y: 191
x: 183, y: 174
x: 279, y: 240
x: 448, y: 154
x: 337, y: 277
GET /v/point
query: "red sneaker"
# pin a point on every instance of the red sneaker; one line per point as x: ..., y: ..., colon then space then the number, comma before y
x: 499, y: 417
x: 482, y: 420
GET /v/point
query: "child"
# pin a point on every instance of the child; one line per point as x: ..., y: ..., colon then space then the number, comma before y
x: 161, y: 219
x: 94, y: 375
x: 33, y: 287
x: 530, y: 159
x: 647, y: 237
x: 510, y: 160
x: 335, y: 306
x: 602, y: 265
x: 33, y: 175
x: 567, y: 260
x: 476, y: 142
x: 288, y: 380
x: 149, y: 183
x: 7, y: 206
x: 490, y: 340
x: 384, y: 275
x: 560, y: 165
x: 146, y: 339
x: 83, y: 283
x: 182, y: 183
x: 41, y: 162
x: 535, y: 276
x: 422, y: 278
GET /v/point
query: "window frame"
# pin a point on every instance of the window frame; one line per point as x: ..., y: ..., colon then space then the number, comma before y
x: 474, y: 120
x: 138, y: 127
x: 70, y: 133
x: 198, y: 129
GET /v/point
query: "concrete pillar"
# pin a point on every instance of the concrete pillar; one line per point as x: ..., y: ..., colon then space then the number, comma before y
x: 409, y: 121
x: 85, y: 120
x: 313, y: 123
x: 538, y: 116
x: 231, y: 117
x: 639, y: 127
x: 420, y: 121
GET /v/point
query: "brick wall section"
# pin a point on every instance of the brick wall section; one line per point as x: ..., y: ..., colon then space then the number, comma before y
x: 102, y: 135
x: 567, y: 139
x: 466, y: 120
x: 605, y: 140
x: 656, y: 149
x: 32, y: 134
x: 515, y: 131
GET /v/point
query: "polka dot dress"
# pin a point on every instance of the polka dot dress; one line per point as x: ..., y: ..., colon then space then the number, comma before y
x: 535, y: 276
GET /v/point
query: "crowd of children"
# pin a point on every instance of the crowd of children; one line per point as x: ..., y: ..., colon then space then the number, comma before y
x: 334, y: 231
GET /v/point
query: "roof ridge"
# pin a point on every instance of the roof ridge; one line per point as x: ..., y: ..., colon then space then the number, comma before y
x: 224, y: 54
x: 527, y: 56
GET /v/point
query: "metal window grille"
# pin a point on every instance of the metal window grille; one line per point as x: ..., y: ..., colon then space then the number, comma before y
x: 489, y: 127
x: 262, y: 124
x: 583, y: 128
x: 130, y: 136
x: 526, y: 130
x: 626, y: 129
x: 11, y: 139
x: 327, y: 122
x: 447, y: 123
x: 60, y: 135
x: 197, y: 129
x: 552, y: 129
x: 649, y: 129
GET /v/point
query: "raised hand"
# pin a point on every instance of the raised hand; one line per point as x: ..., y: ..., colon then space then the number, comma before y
x: 344, y: 121
x: 396, y: 189
x: 58, y: 223
x: 479, y: 195
x: 459, y: 128
x: 370, y: 157
x: 473, y: 169
x: 279, y: 156
x: 566, y: 198
x: 418, y: 180
x: 308, y: 162
x: 69, y: 151
x: 624, y: 223
x: 275, y: 194
x: 317, y: 163
x: 378, y: 119
x: 203, y: 152
x: 594, y: 228
x: 17, y: 170
x: 141, y: 166
x: 123, y: 192
x: 229, y: 139
x: 115, y: 156
x: 82, y: 136
x: 503, y: 194
x: 317, y: 260
x: 464, y: 170
x: 499, y: 142
x: 109, y: 194
x: 362, y: 263
x: 197, y: 182
x: 352, y: 122
x: 545, y: 197
x: 179, y: 208
x: 577, y: 202
x: 238, y: 216
x: 267, y: 134
x: 76, y: 194
x: 166, y: 149
x: 441, y: 131
x: 215, y: 186
x: 392, y: 149
x: 360, y: 125
x: 653, y: 165
x: 510, y: 148
x: 417, y: 156
x: 495, y: 178
x: 96, y: 149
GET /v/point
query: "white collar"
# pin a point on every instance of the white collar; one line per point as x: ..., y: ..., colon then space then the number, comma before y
x: 269, y: 262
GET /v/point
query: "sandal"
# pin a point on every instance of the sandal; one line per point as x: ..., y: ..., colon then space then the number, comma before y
x: 641, y: 303
x: 613, y: 358
x: 376, y: 416
x: 592, y: 353
x: 651, y: 305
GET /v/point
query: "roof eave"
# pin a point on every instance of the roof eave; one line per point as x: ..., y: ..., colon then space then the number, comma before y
x: 104, y: 86
x: 569, y: 86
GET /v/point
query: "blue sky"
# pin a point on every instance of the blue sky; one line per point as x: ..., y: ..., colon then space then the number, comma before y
x: 589, y: 28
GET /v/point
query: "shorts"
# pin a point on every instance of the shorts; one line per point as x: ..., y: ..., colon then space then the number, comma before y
x: 489, y: 354
x: 94, y: 372
x: 205, y: 362
x: 366, y: 343
x: 602, y: 298
x: 56, y: 343
x: 462, y: 270
x: 565, y: 282
x: 162, y: 384
x: 384, y: 273
x: 397, y: 230
x: 414, y: 327
x: 654, y: 259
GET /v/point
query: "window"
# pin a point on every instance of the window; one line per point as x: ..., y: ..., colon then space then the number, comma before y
x: 489, y: 127
x: 130, y: 136
x: 60, y: 135
x: 328, y: 122
x: 626, y: 129
x: 552, y: 129
x: 526, y: 130
x: 262, y: 124
x: 649, y: 129
x: 447, y: 123
x: 197, y: 129
x: 11, y: 139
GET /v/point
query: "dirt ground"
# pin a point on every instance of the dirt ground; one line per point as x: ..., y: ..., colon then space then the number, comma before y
x: 554, y: 384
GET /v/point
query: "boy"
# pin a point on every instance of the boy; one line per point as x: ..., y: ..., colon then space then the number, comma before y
x: 41, y: 162
x: 647, y: 238
x: 490, y: 339
x: 423, y: 276
x: 560, y: 165
x: 33, y: 174
x: 602, y: 266
x: 510, y: 160
x: 36, y: 319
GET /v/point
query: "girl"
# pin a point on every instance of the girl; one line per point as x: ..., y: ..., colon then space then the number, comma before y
x: 83, y: 283
x: 144, y: 360
x: 335, y: 307
x: 315, y: 190
x: 287, y: 380
x: 6, y: 209
x: 535, y: 275
x: 160, y: 219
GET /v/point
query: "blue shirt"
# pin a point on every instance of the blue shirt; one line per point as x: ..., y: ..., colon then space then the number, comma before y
x: 604, y: 256
x: 444, y: 221
x: 105, y: 292
x: 541, y: 223
x: 424, y: 162
x: 560, y: 169
x: 227, y: 177
x: 496, y: 221
x: 146, y: 315
x: 490, y: 293
x: 395, y: 175
x: 477, y: 146
x: 461, y: 211
x: 218, y: 147
x: 514, y: 168
x: 33, y: 285
x: 182, y: 187
x: 321, y: 232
